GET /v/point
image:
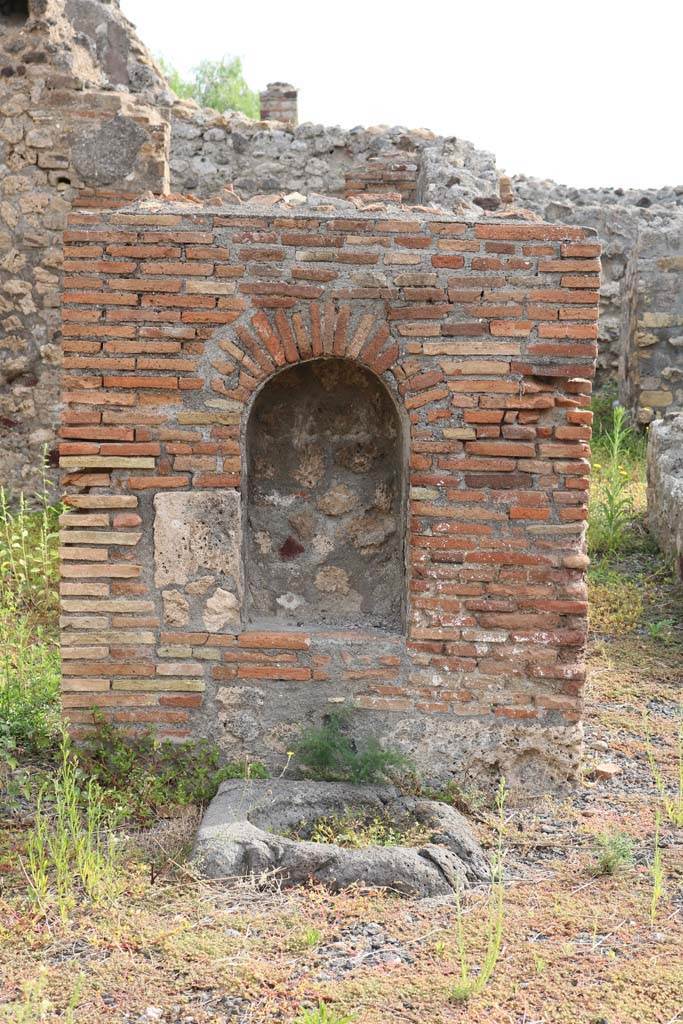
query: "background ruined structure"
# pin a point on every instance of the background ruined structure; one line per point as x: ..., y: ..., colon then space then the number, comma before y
x: 83, y: 105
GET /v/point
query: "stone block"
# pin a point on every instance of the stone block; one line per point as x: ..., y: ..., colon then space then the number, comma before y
x: 196, y: 533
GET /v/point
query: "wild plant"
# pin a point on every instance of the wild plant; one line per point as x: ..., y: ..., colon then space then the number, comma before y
x: 323, y: 1014
x: 28, y: 550
x: 662, y: 629
x: 29, y: 656
x: 672, y: 802
x: 142, y: 774
x: 71, y: 851
x: 656, y: 872
x: 331, y: 754
x: 471, y: 983
x: 611, y: 504
x: 36, y: 1006
x: 614, y: 852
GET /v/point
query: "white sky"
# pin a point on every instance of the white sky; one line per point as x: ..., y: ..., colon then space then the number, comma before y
x: 583, y: 91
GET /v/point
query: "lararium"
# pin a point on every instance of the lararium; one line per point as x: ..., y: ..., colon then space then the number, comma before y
x: 317, y: 456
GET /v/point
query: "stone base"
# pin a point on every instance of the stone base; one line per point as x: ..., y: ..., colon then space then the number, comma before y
x: 240, y: 836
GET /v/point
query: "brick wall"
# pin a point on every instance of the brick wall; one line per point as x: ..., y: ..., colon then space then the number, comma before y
x: 484, y: 333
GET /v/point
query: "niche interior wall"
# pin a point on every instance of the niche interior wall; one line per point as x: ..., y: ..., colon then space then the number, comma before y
x: 317, y: 457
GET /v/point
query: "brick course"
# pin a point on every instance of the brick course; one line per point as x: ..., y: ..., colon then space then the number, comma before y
x: 488, y: 672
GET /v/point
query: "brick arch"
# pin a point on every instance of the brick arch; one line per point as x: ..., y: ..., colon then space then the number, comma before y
x: 264, y: 342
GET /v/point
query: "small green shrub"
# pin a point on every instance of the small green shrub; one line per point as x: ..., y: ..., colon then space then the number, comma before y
x: 332, y: 755
x: 611, y: 503
x: 29, y: 681
x: 147, y: 775
x: 323, y: 1014
x: 614, y: 851
x: 661, y: 629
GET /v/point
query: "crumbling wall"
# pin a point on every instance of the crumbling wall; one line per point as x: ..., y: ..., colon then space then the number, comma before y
x: 60, y: 132
x: 644, y: 225
x: 79, y: 62
x: 210, y: 151
x: 665, y: 485
x: 651, y: 344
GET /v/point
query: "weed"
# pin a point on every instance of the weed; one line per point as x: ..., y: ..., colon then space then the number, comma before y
x: 657, y: 873
x: 28, y: 552
x: 324, y: 1015
x: 29, y: 680
x: 540, y: 965
x: 149, y: 776
x: 71, y: 850
x: 308, y: 939
x: 614, y: 852
x: 357, y: 830
x: 672, y: 803
x: 611, y: 502
x: 330, y: 754
x: 467, y: 799
x: 662, y: 629
x: 35, y: 1005
x: 470, y: 983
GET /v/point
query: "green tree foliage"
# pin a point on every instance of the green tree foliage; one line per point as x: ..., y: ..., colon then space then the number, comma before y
x: 218, y: 84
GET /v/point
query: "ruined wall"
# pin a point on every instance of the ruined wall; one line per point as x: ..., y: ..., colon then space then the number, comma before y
x: 651, y: 344
x: 78, y: 62
x: 483, y: 333
x: 642, y: 237
x: 665, y: 486
x: 211, y: 150
x: 56, y: 137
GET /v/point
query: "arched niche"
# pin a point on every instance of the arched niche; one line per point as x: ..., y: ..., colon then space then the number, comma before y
x: 324, y: 496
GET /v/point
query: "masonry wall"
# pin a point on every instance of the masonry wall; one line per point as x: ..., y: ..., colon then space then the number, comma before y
x: 651, y: 344
x: 78, y: 63
x: 61, y: 130
x: 484, y: 334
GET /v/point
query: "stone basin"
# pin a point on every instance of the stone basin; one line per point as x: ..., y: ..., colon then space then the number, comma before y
x: 241, y: 836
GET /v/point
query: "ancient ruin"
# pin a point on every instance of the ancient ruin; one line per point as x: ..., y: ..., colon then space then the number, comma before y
x: 323, y: 456
x: 326, y: 446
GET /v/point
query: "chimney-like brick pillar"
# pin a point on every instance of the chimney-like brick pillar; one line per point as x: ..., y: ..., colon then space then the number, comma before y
x: 279, y: 103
